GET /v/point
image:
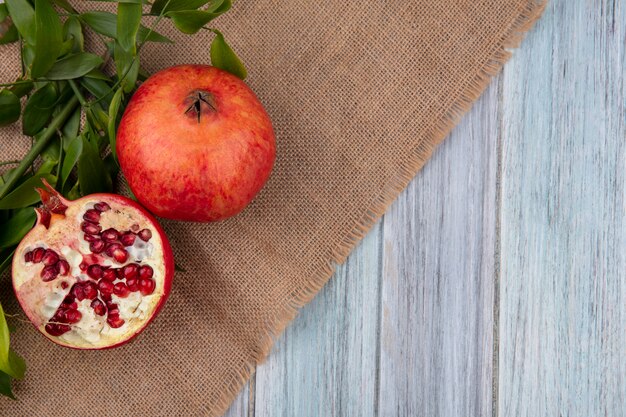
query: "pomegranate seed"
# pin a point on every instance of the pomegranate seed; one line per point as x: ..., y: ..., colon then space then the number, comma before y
x: 106, y: 298
x: 110, y: 235
x: 130, y: 271
x: 94, y: 271
x: 90, y: 289
x: 112, y: 306
x: 64, y: 267
x: 78, y: 291
x: 146, y: 286
x: 64, y: 285
x: 146, y: 272
x: 38, y: 254
x: 50, y: 257
x: 134, y: 228
x: 90, y: 238
x: 121, y: 290
x: 97, y: 246
x: 120, y: 255
x: 92, y: 216
x: 102, y: 206
x: 73, y: 316
x: 105, y: 287
x: 133, y: 284
x: 115, y: 321
x: 98, y: 307
x: 109, y: 274
x: 90, y: 228
x: 83, y: 265
x: 145, y: 235
x: 57, y: 329
x: 127, y: 239
x: 49, y: 273
x: 28, y: 256
x: 111, y: 247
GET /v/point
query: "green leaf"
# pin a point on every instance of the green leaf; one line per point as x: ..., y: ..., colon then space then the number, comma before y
x: 12, y: 231
x: 128, y: 21
x: 23, y: 16
x: 98, y: 75
x: 49, y: 38
x: 175, y: 5
x: 105, y: 23
x: 38, y: 109
x: 191, y: 21
x: 22, y: 88
x: 25, y: 195
x: 28, y: 55
x: 66, y: 47
x: 46, y: 167
x: 72, y: 29
x: 5, y: 386
x: 127, y: 67
x: 70, y: 129
x: 65, y: 5
x: 51, y: 152
x: 223, y: 57
x: 9, y: 107
x: 8, y: 31
x: 101, y: 115
x: 223, y: 7
x: 72, y: 154
x: 74, y: 66
x: 99, y: 88
x: 10, y: 363
x: 114, y: 109
x: 92, y: 175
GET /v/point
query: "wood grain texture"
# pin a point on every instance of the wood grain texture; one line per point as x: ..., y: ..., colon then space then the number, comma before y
x: 563, y: 217
x: 438, y: 279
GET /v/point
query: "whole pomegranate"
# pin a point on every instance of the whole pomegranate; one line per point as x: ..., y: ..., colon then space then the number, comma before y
x: 195, y: 144
x: 93, y: 272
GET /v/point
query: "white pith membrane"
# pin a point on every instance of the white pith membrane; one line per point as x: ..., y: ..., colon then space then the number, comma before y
x: 42, y: 300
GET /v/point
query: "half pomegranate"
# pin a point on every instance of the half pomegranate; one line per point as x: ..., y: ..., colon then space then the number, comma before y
x: 93, y: 272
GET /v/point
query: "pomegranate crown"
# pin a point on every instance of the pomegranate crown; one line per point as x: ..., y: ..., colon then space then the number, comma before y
x: 52, y: 202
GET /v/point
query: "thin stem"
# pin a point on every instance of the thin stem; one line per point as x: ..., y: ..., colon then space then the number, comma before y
x: 40, y: 145
x: 15, y: 83
x: 77, y: 92
x: 9, y: 163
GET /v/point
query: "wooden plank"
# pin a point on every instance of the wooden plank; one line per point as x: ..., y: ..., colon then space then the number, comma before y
x: 325, y: 363
x: 563, y: 216
x: 438, y: 278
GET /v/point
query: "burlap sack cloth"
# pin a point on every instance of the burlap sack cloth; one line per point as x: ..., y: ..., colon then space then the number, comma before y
x: 360, y: 93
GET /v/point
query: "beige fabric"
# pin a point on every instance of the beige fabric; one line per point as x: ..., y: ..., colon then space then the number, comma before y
x: 360, y: 93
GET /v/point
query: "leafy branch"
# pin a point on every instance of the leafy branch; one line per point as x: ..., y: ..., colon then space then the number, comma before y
x: 61, y: 83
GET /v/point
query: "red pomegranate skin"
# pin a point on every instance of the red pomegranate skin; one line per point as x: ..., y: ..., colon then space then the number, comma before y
x: 198, y: 166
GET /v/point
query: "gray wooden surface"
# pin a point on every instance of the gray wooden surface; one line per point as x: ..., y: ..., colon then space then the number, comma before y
x: 496, y: 283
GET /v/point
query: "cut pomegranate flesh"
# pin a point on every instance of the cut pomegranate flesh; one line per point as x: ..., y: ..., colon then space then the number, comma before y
x: 93, y: 272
